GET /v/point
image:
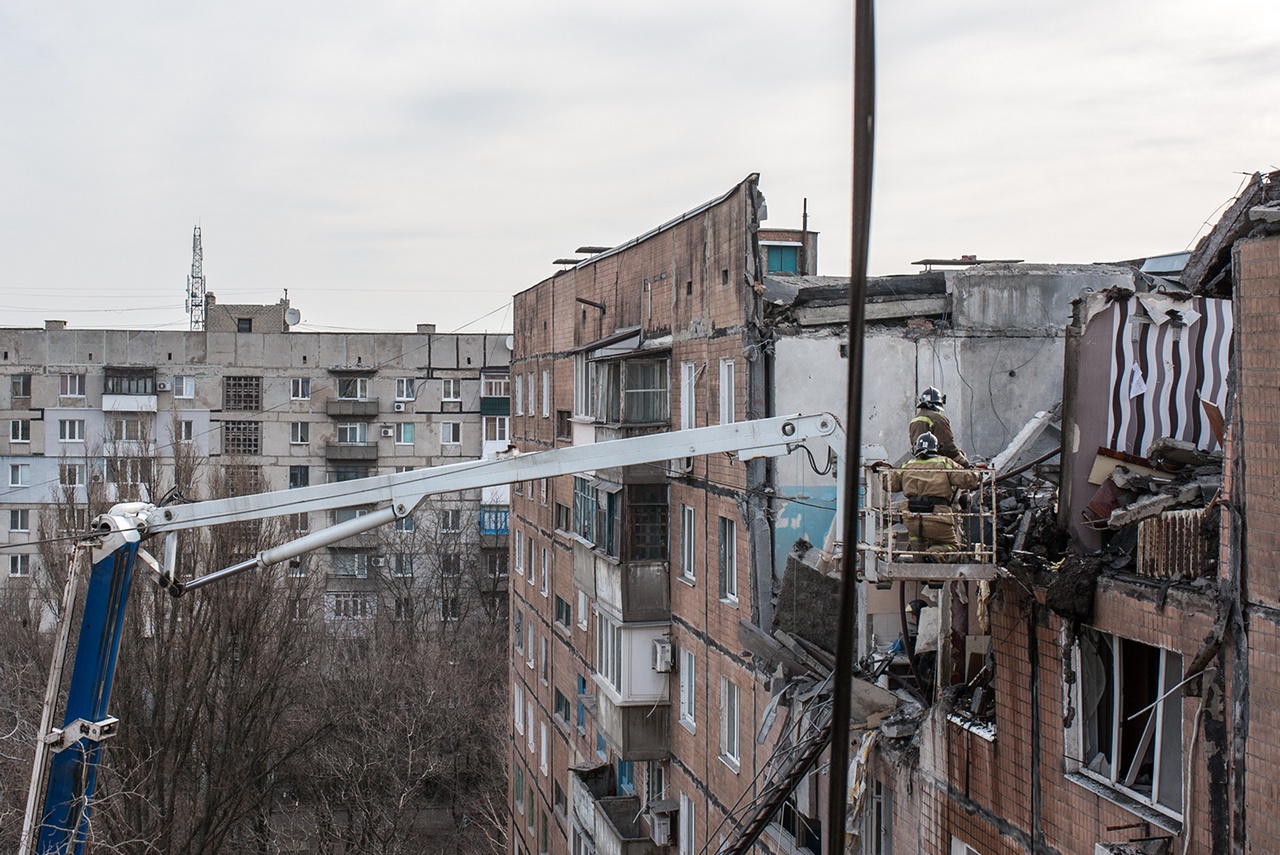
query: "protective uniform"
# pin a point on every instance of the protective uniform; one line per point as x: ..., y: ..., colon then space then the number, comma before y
x: 930, y: 485
x: 934, y: 421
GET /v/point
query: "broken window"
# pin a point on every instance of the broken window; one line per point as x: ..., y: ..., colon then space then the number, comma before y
x: 630, y: 391
x: 1130, y: 717
x: 353, y: 388
x: 584, y: 509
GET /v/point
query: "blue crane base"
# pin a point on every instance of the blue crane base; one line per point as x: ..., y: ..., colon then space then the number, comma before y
x: 73, y: 771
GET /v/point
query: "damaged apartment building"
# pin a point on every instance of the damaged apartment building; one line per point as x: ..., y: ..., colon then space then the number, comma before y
x: 1124, y: 698
x: 673, y: 625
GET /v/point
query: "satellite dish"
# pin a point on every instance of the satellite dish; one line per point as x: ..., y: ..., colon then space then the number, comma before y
x: 292, y: 316
x: 511, y: 342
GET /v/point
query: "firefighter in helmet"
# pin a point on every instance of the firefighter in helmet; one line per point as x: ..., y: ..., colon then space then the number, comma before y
x: 931, y: 483
x: 930, y: 418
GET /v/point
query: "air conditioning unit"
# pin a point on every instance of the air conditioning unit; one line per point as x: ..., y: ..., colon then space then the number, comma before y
x: 399, y: 406
x: 388, y: 431
x: 662, y: 655
x: 163, y: 386
x: 678, y: 467
x: 378, y: 561
x: 661, y: 815
x: 660, y: 828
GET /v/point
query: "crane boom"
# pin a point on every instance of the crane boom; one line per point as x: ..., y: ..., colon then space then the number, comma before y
x: 63, y: 784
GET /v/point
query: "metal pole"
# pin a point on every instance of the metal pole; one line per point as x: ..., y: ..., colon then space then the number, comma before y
x: 863, y: 149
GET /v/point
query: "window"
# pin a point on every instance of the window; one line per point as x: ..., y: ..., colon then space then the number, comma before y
x: 242, y: 437
x: 959, y: 847
x: 584, y: 509
x: 782, y: 259
x: 19, y: 564
x: 528, y: 643
x: 519, y: 552
x: 404, y: 433
x: 20, y: 385
x: 20, y: 430
x: 564, y: 612
x: 518, y: 776
x: 728, y: 559
x: 542, y: 765
x: 609, y: 651
x: 451, y: 389
x: 1130, y: 729
x: 451, y: 433
x: 451, y: 519
x: 301, y: 522
x: 688, y: 688
x: 582, y: 708
x: 546, y: 393
x: 532, y: 409
x: 349, y: 471
x: 300, y: 388
x: 564, y: 517
x: 655, y: 782
x: 496, y: 386
x: 687, y: 546
x: 880, y: 820
x: 584, y: 386
x: 632, y: 391
x: 626, y: 777
x: 687, y: 845
x: 495, y: 428
x: 351, y: 606
x: 299, y: 476
x: 19, y: 474
x: 727, y: 396
x: 647, y: 507
x: 402, y: 565
x: 242, y: 394
x: 528, y: 717
x: 544, y: 660
x: 405, y: 388
x: 126, y: 429
x: 404, y: 608
x: 353, y: 388
x: 560, y: 800
x: 542, y: 491
x: 543, y: 833
x: 72, y: 386
x: 406, y: 523
x: 546, y: 572
x: 351, y: 564
x: 450, y: 608
x: 582, y: 609
x: 688, y: 395
x: 519, y: 629
x: 244, y: 325
x: 299, y: 433
x: 729, y: 747
x: 186, y: 430
x: 298, y: 567
x: 129, y: 381
x: 20, y: 519
x: 71, y: 474
x: 564, y: 424
x: 528, y: 542
x: 353, y: 433
x: 71, y: 430
x: 129, y: 470
x: 451, y: 565
x: 519, y: 405
x: 184, y: 386
x: 517, y: 695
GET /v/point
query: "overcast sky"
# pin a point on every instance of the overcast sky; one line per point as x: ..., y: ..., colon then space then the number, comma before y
x: 395, y: 163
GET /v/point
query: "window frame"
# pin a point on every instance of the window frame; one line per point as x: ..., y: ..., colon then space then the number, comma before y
x: 728, y: 560
x: 730, y: 724
x: 299, y: 388
x: 184, y: 386
x: 450, y: 389
x: 19, y: 474
x: 688, y: 544
x: 20, y: 431
x: 404, y: 433
x: 71, y: 430
x: 728, y: 391
x: 406, y: 389
x: 689, y: 689
x: 451, y: 433
x: 352, y: 389
x: 71, y: 386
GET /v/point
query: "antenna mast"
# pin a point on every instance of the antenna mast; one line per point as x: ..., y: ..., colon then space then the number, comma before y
x: 195, y: 283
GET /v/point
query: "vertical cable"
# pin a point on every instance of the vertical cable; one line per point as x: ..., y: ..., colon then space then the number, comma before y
x: 863, y: 148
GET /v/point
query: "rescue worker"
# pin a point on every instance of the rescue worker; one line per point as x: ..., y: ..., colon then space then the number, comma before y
x: 931, y: 419
x: 931, y: 483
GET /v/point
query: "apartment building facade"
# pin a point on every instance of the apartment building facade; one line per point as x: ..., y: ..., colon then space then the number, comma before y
x: 98, y: 416
x: 634, y: 702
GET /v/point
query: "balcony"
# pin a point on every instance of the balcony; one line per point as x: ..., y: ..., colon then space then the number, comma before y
x: 360, y: 451
x: 634, y: 732
x: 633, y: 591
x: 352, y: 407
x: 609, y: 821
